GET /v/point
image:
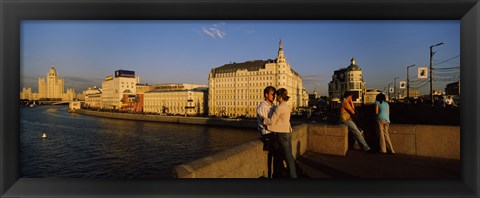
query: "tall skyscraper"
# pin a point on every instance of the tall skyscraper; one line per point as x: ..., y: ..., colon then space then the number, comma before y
x: 52, y: 87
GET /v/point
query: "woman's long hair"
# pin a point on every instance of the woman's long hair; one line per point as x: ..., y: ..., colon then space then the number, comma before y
x: 381, y: 98
x: 282, y: 93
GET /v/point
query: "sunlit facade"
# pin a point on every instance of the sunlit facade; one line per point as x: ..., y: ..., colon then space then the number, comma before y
x: 236, y: 89
x: 177, y: 102
x: 51, y: 87
x: 113, y: 89
x: 348, y: 79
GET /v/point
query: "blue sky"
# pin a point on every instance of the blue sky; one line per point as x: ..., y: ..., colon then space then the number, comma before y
x: 84, y: 52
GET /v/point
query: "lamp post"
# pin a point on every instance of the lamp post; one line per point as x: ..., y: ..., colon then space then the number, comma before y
x: 431, y: 74
x: 408, y: 83
x: 388, y: 91
x: 395, y: 87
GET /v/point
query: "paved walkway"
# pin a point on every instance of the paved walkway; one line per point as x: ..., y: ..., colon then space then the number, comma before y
x: 357, y: 164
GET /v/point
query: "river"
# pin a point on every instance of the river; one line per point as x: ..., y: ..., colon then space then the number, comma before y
x: 81, y: 146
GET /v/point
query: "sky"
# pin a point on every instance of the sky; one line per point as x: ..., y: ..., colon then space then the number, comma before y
x: 182, y: 51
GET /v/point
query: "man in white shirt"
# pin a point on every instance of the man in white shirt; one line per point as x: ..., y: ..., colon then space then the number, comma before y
x: 265, y: 108
x: 269, y: 139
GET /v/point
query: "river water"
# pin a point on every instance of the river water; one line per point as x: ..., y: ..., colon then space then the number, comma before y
x: 81, y: 146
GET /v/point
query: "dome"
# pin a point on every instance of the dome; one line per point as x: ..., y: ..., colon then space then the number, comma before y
x: 353, y: 66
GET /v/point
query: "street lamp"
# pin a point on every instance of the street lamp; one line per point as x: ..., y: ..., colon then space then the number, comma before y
x: 408, y: 83
x: 431, y: 74
x: 395, y: 87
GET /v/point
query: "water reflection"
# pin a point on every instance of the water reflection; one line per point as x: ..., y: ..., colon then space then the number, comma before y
x: 93, y: 147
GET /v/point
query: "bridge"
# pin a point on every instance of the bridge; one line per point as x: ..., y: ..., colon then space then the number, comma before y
x: 51, y: 102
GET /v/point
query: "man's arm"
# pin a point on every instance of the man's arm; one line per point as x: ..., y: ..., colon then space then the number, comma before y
x: 263, y: 111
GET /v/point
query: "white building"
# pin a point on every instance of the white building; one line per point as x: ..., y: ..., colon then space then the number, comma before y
x: 236, y: 89
x: 177, y: 102
x: 113, y: 89
x: 93, y: 97
x: 347, y: 79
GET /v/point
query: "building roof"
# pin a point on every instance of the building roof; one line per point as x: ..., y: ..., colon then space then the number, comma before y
x: 254, y: 65
x: 172, y: 91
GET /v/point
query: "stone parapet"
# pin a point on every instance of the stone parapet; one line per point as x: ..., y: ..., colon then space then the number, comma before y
x: 328, y: 139
x: 248, y: 160
x: 426, y: 140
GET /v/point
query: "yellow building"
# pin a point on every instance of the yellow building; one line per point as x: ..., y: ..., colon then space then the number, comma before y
x: 52, y: 87
x: 236, y: 89
x: 26, y: 94
x: 143, y: 88
x: 371, y: 96
x: 178, y: 102
x: 49, y: 88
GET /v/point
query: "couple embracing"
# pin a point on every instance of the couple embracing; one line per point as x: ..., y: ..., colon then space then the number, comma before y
x: 274, y: 126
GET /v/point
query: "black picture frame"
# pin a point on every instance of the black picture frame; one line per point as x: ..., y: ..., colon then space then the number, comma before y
x: 13, y: 11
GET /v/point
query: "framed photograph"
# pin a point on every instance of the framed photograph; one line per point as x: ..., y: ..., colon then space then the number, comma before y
x: 26, y: 26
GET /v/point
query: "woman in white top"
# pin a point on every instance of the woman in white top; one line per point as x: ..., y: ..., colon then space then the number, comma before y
x: 279, y: 123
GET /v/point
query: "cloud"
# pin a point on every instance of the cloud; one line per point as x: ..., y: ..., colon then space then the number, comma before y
x: 214, y: 32
x: 251, y: 31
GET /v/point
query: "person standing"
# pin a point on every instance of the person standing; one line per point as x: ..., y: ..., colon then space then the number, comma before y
x: 347, y: 110
x: 269, y: 139
x: 449, y: 102
x: 279, y: 123
x: 382, y: 111
x: 264, y: 109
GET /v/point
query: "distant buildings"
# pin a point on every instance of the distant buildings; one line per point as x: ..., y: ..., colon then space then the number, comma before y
x: 49, y: 88
x: 236, y: 89
x: 371, y: 96
x: 413, y: 93
x: 347, y: 79
x: 113, y: 88
x: 453, y: 88
x: 93, y: 97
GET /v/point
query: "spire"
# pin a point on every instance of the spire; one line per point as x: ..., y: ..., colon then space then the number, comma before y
x: 352, y: 61
x: 281, y: 56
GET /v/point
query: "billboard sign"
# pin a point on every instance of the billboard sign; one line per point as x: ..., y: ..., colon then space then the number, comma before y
x: 422, y: 72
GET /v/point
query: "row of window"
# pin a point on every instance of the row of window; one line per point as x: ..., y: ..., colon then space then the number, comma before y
x: 240, y: 97
x: 239, y: 103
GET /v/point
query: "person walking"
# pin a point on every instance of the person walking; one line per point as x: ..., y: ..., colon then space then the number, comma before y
x: 382, y: 111
x: 279, y: 123
x: 347, y: 110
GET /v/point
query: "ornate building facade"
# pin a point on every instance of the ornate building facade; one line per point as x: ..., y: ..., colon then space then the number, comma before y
x: 236, y: 89
x: 52, y: 86
x: 348, y: 79
x: 175, y: 102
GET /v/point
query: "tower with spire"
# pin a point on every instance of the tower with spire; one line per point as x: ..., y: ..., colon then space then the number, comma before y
x: 53, y: 86
x: 281, y: 56
x: 247, y: 79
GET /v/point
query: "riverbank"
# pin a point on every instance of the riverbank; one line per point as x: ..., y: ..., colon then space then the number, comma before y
x: 210, y: 121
